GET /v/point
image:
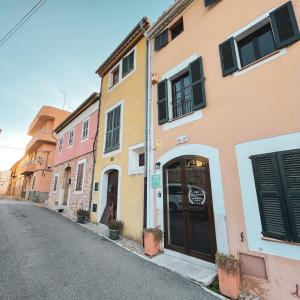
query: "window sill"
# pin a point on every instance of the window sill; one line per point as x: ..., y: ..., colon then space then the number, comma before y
x: 260, y: 61
x: 111, y: 153
x: 279, y: 241
x: 188, y: 118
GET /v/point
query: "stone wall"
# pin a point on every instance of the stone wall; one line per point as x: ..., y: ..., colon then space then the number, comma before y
x: 75, y: 201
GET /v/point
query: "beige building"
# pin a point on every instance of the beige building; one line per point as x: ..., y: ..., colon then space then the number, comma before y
x: 224, y: 157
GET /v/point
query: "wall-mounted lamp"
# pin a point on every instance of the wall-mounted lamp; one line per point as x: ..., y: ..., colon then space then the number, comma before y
x: 157, y: 166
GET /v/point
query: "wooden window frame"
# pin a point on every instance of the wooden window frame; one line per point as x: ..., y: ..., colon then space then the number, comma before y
x: 73, y: 134
x: 84, y: 136
x: 81, y: 162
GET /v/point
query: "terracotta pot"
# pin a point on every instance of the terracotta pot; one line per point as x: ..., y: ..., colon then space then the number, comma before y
x: 151, y: 247
x: 229, y: 283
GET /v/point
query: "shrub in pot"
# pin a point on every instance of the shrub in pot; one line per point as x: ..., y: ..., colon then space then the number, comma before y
x: 229, y: 275
x: 115, y: 228
x: 152, y: 239
x: 82, y: 215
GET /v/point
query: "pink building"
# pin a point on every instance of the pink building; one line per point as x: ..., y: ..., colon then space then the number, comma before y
x: 72, y: 177
x: 224, y: 149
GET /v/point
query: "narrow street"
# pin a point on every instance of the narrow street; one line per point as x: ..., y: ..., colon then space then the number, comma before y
x: 45, y: 256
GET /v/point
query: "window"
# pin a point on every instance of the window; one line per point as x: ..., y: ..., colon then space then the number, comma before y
x: 181, y: 95
x: 55, y: 181
x: 60, y: 144
x: 277, y: 30
x: 257, y: 45
x: 127, y: 64
x: 177, y: 28
x: 209, y: 2
x: 136, y: 159
x: 71, y: 137
x: 142, y: 160
x: 85, y: 129
x: 188, y: 92
x: 277, y: 181
x: 112, y: 141
x: 80, y: 176
x: 161, y: 39
x: 96, y: 187
x: 115, y: 76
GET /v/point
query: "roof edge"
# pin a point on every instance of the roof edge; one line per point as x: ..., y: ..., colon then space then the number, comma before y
x: 138, y: 30
x: 167, y: 16
x: 94, y: 97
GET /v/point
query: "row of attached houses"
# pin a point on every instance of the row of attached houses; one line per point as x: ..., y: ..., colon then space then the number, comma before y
x: 196, y: 129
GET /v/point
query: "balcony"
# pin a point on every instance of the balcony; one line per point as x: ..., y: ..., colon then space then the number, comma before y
x: 28, y: 167
x: 43, y: 136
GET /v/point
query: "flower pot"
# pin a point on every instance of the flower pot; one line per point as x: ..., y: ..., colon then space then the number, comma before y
x: 151, y: 247
x: 80, y: 219
x: 114, y: 234
x: 229, y: 283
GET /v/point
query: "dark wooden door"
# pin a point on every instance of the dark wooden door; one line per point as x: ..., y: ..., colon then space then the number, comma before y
x: 188, y: 209
x: 110, y: 211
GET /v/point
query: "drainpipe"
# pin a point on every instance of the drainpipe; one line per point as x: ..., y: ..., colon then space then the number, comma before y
x: 147, y: 128
x: 94, y: 155
x: 148, y: 133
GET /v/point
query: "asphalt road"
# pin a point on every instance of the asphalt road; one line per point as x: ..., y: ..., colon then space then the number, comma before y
x: 45, y: 256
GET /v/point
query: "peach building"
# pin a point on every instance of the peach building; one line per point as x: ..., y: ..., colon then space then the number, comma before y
x: 224, y: 143
x: 32, y: 174
x: 72, y: 177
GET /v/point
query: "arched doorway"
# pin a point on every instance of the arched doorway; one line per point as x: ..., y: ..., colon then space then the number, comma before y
x: 188, y: 208
x: 110, y: 211
x: 67, y: 185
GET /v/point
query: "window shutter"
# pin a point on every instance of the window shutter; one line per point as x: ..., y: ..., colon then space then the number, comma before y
x: 284, y: 25
x: 209, y: 2
x: 162, y: 96
x: 228, y: 57
x: 197, y: 84
x: 161, y: 40
x: 270, y: 197
x: 289, y: 164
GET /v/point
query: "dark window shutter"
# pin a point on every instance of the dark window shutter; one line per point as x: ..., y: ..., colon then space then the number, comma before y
x: 197, y: 84
x: 284, y: 25
x: 228, y: 57
x: 161, y: 39
x: 270, y: 197
x: 289, y: 164
x: 209, y: 2
x: 162, y: 96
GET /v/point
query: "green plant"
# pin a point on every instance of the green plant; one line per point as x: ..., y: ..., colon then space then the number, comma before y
x: 116, y: 225
x: 227, y: 262
x: 157, y: 233
x: 83, y: 213
x: 214, y: 286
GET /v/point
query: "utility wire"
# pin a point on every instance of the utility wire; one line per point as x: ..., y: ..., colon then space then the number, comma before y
x: 14, y: 29
x: 13, y: 148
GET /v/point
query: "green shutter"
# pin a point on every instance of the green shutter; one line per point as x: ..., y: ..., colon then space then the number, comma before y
x: 161, y: 40
x: 284, y: 25
x: 270, y: 196
x: 228, y: 57
x: 289, y: 164
x: 162, y: 103
x: 197, y: 84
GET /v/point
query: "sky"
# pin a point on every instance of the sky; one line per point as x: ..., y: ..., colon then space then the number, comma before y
x: 57, y: 51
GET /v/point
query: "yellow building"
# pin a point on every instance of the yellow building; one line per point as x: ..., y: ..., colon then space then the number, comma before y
x: 119, y: 169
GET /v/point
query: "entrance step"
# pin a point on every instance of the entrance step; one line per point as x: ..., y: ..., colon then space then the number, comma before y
x: 192, y: 268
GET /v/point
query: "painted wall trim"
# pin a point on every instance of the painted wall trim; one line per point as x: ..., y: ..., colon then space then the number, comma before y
x: 216, y: 185
x: 249, y: 197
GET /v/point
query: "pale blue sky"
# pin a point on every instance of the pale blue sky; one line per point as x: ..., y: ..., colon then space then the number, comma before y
x: 59, y: 48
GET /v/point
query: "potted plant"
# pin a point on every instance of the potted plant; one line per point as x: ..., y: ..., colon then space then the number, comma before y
x: 82, y: 215
x: 229, y: 275
x: 152, y: 239
x: 115, y: 228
